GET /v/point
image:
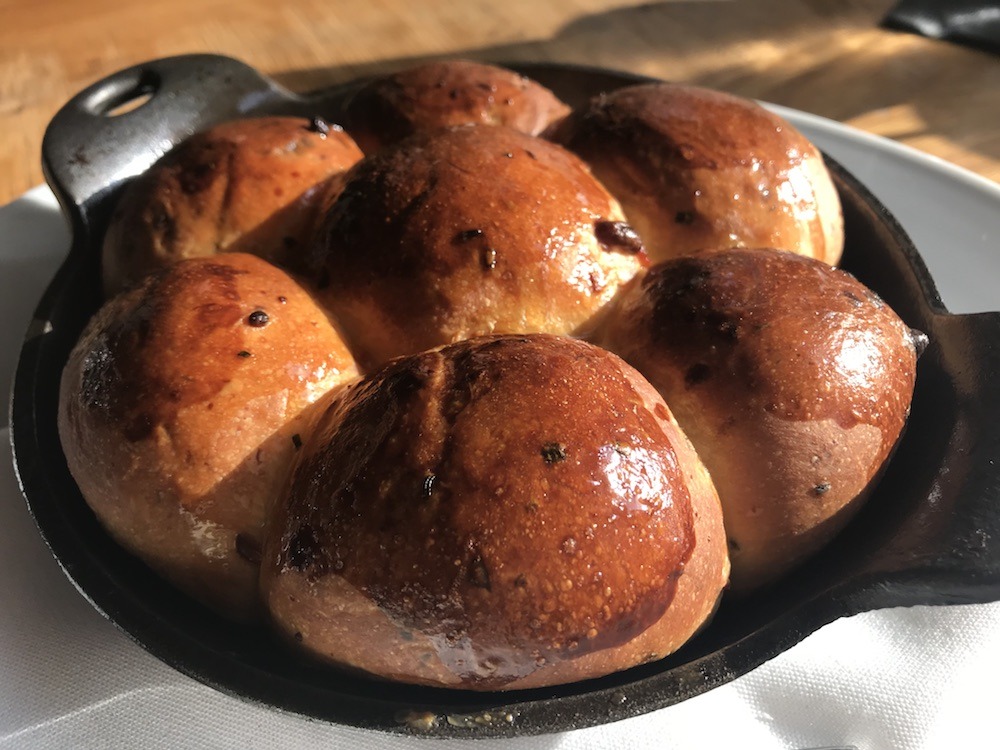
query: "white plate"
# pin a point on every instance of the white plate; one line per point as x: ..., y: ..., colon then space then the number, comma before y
x: 900, y: 678
x: 952, y: 215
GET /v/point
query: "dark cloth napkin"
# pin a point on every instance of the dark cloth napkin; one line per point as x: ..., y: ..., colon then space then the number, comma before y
x: 974, y: 23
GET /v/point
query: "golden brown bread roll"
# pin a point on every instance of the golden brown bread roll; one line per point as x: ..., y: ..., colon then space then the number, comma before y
x: 506, y: 512
x: 468, y: 231
x: 792, y: 380
x: 246, y: 186
x: 181, y: 408
x: 699, y: 170
x: 445, y: 93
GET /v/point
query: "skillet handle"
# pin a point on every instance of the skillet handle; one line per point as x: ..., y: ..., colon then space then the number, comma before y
x: 971, y: 349
x: 94, y: 144
x: 947, y: 551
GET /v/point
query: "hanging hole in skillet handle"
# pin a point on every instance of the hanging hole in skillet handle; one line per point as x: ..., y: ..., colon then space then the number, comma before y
x: 116, y: 128
x: 118, y: 100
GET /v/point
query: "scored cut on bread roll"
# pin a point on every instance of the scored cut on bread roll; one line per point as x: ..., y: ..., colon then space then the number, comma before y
x: 445, y: 93
x: 506, y: 512
x: 699, y: 170
x: 250, y: 186
x: 181, y: 408
x: 468, y: 231
x: 792, y: 380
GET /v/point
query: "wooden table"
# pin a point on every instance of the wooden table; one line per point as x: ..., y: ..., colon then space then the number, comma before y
x: 823, y: 56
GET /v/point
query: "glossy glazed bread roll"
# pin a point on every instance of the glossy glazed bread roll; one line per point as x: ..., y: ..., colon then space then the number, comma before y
x: 445, y: 93
x: 181, y: 408
x: 792, y: 380
x: 699, y: 170
x: 246, y: 186
x: 468, y: 231
x: 502, y: 513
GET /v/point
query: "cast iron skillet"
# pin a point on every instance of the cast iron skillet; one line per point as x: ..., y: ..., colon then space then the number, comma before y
x: 930, y: 534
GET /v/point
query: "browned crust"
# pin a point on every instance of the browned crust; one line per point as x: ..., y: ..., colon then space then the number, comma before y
x: 792, y: 380
x: 699, y: 170
x: 446, y: 93
x: 468, y: 231
x: 501, y: 513
x: 181, y: 408
x: 249, y: 186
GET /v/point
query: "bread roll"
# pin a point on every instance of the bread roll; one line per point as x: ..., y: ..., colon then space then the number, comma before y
x: 245, y: 186
x: 792, y: 380
x: 468, y: 231
x: 699, y: 170
x: 181, y: 408
x: 507, y: 512
x: 445, y: 93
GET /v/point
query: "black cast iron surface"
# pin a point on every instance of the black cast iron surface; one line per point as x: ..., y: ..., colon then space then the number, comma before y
x: 930, y: 534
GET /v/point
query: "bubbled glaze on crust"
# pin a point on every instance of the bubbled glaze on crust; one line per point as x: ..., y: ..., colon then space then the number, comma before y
x: 501, y: 512
x: 181, y: 408
x: 446, y: 93
x: 246, y: 186
x: 699, y: 170
x: 779, y: 325
x: 792, y: 379
x: 468, y: 231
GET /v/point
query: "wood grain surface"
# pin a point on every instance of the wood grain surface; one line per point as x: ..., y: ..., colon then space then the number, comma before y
x: 824, y: 56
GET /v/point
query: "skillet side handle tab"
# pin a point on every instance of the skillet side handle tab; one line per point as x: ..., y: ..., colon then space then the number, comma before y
x: 971, y: 345
x: 955, y: 534
x: 116, y: 128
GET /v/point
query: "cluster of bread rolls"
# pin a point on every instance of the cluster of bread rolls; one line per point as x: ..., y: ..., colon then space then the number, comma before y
x: 497, y: 403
